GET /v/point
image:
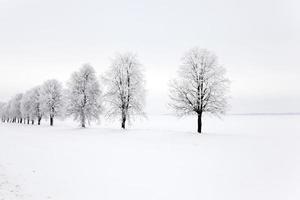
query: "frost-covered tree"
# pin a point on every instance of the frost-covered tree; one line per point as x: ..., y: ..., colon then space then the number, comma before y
x: 2, y: 111
x: 84, y: 95
x: 52, y: 99
x: 25, y: 107
x: 6, y: 111
x: 125, y: 91
x: 15, y: 108
x: 9, y: 111
x: 201, y: 85
x: 36, y: 111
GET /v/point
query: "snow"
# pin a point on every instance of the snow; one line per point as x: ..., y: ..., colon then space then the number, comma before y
x: 238, y: 157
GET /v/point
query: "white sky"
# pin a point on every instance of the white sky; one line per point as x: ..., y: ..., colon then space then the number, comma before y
x: 257, y: 41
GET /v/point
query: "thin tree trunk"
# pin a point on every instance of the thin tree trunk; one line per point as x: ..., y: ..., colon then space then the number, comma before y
x: 123, y: 121
x: 51, y: 120
x: 82, y: 120
x: 200, y: 122
x: 82, y: 111
x: 32, y: 122
x: 28, y: 120
x: 51, y: 116
x: 39, y: 120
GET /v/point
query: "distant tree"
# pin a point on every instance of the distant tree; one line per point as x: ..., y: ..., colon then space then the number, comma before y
x: 25, y: 107
x: 36, y: 104
x: 6, y: 111
x: 9, y: 111
x: 201, y: 86
x: 52, y: 99
x: 125, y: 88
x: 84, y: 95
x: 2, y: 111
x: 15, y: 108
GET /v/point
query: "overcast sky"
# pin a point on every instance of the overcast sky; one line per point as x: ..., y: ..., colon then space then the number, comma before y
x: 258, y: 41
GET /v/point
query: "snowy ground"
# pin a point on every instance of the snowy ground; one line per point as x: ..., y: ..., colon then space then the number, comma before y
x: 239, y: 157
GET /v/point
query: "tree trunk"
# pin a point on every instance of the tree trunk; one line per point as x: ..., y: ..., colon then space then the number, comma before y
x: 200, y: 122
x: 82, y: 111
x: 83, y: 121
x: 32, y: 122
x: 28, y: 120
x: 82, y: 117
x: 123, y: 121
x: 51, y: 120
x: 39, y: 120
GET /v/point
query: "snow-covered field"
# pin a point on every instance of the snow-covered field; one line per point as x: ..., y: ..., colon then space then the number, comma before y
x: 238, y: 157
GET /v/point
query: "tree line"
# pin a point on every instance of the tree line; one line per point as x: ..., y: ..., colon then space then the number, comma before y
x: 200, y: 87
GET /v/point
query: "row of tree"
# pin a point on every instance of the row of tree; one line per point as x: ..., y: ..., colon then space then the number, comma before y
x: 200, y: 87
x: 83, y: 98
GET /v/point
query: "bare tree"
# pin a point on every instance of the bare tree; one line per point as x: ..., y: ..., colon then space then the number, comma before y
x: 15, y: 108
x: 84, y: 95
x: 6, y: 111
x: 3, y: 111
x: 124, y: 82
x: 26, y: 106
x: 52, y: 99
x: 9, y: 111
x: 201, y: 86
x: 36, y: 104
